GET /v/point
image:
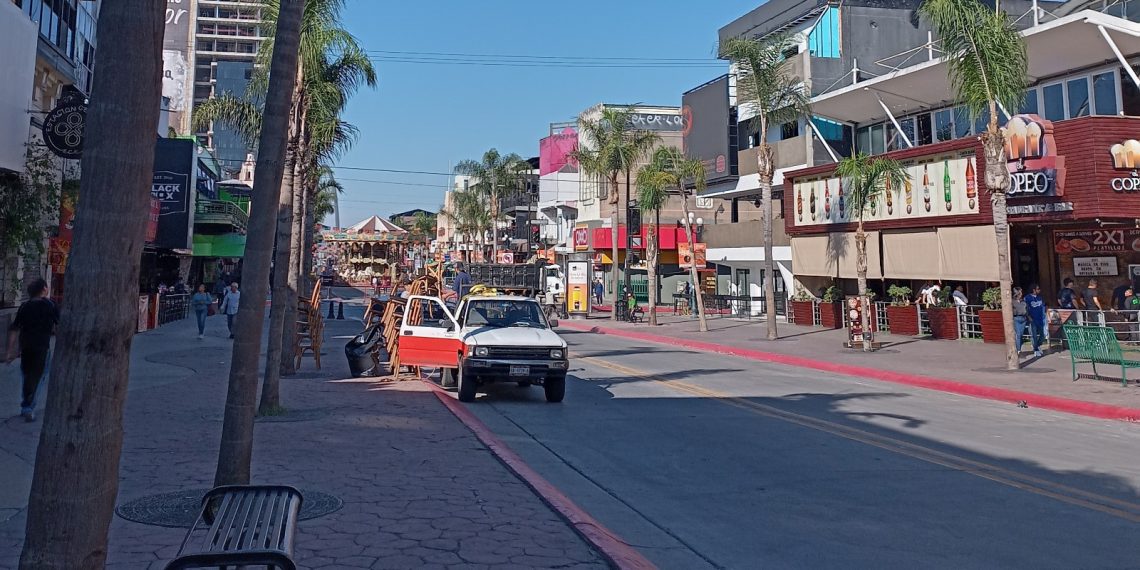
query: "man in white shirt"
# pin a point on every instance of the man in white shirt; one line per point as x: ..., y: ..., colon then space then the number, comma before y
x: 960, y: 299
x: 230, y: 306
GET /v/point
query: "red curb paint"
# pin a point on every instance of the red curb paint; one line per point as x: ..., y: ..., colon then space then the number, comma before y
x: 620, y: 554
x: 1077, y: 407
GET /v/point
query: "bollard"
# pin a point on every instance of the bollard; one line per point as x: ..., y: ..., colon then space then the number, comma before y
x: 340, y: 311
x: 331, y: 303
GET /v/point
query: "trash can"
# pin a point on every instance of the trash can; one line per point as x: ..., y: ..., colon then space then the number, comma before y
x: 358, y: 351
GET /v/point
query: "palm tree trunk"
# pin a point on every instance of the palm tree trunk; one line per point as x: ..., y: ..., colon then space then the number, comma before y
x: 236, y: 451
x: 628, y: 251
x: 289, y: 334
x: 861, y: 271
x: 271, y: 382
x: 765, y: 168
x: 997, y: 182
x: 692, y: 237
x: 651, y: 266
x: 76, y: 477
x: 614, y: 220
x: 308, y: 236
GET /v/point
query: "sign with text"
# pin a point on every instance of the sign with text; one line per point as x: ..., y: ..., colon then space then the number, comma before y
x: 1031, y: 157
x: 1095, y: 266
x: 1096, y: 241
x: 173, y: 188
x: 581, y: 239
x: 578, y: 287
x: 686, y: 255
x: 656, y: 122
x: 855, y: 322
x: 1126, y: 157
x: 937, y: 186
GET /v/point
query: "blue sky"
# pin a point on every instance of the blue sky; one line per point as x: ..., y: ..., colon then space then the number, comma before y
x: 427, y: 117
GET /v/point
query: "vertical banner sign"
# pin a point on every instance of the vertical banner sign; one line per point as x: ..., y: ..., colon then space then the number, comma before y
x: 578, y: 287
x: 177, y: 64
x: 855, y: 323
x: 173, y: 187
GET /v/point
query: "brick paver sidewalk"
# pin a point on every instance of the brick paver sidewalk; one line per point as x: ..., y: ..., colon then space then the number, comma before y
x: 960, y: 361
x: 419, y: 490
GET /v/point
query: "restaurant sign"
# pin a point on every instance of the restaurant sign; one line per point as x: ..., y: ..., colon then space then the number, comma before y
x: 1096, y: 241
x: 1095, y: 266
x: 1126, y: 156
x: 935, y: 186
x: 1031, y: 157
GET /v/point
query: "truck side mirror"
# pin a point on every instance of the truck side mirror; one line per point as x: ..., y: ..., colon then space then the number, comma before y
x: 553, y: 323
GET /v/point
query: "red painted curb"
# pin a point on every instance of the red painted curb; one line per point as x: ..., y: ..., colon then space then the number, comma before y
x: 619, y: 553
x: 1077, y: 407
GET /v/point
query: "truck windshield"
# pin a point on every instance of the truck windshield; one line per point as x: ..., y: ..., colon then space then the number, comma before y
x: 504, y: 313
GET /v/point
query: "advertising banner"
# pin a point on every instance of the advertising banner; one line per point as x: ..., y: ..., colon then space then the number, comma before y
x: 1096, y: 241
x: 710, y: 132
x: 578, y: 287
x: 938, y: 186
x: 178, y: 63
x: 686, y: 254
x: 173, y: 187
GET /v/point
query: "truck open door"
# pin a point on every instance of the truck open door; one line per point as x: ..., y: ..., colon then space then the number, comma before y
x: 429, y: 334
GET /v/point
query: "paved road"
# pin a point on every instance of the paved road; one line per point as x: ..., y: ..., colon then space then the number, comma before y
x: 707, y: 461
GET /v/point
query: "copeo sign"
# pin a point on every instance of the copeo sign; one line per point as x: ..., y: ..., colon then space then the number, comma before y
x: 1126, y: 157
x: 1031, y: 157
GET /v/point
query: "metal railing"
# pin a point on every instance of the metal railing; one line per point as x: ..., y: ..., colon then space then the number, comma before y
x: 172, y: 308
x: 881, y: 316
x: 220, y: 211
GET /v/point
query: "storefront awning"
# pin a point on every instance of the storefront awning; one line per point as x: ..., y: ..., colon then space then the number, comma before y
x: 843, y: 247
x: 968, y: 253
x: 811, y: 256
x: 911, y: 255
x: 1070, y: 42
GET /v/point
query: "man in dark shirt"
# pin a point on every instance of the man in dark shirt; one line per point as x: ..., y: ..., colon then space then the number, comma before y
x: 1091, y: 303
x: 462, y: 281
x: 1118, y: 295
x: 1067, y: 297
x: 32, y: 328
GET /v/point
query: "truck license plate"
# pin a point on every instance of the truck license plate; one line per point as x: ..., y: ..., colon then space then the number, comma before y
x: 520, y: 371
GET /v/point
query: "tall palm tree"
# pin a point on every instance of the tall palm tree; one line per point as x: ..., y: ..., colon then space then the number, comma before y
x: 670, y: 168
x: 652, y: 193
x: 766, y: 85
x: 866, y: 178
x: 76, y: 476
x: 495, y: 174
x: 613, y: 147
x: 236, y: 451
x: 470, y: 214
x: 988, y: 66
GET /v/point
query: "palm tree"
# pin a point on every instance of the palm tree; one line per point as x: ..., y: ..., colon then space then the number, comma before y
x: 493, y: 174
x: 670, y: 168
x: 988, y: 65
x: 470, y: 214
x: 866, y: 178
x: 236, y: 452
x: 613, y: 147
x: 777, y: 96
x: 76, y: 477
x: 652, y: 192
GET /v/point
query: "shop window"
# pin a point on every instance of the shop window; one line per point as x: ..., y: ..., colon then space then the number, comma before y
x: 1029, y: 104
x: 1054, y: 96
x: 1104, y: 93
x: 789, y: 130
x: 863, y: 140
x: 1078, y: 90
x: 961, y: 122
x: 895, y: 140
x: 1129, y: 98
x: 924, y: 130
x: 878, y: 142
x: 823, y: 40
x: 944, y: 125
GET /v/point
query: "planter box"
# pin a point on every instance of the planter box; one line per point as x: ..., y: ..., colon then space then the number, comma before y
x: 993, y: 330
x: 943, y: 322
x: 903, y: 320
x: 830, y: 315
x: 802, y: 313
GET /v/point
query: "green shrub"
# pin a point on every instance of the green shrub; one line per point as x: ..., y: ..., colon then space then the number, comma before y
x: 899, y: 294
x: 991, y: 298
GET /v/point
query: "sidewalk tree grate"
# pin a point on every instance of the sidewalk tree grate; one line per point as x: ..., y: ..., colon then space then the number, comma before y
x: 179, y: 509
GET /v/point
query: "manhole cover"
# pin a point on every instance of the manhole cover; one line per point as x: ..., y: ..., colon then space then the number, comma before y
x: 180, y: 509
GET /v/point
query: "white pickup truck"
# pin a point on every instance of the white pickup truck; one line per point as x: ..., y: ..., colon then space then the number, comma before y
x: 488, y: 339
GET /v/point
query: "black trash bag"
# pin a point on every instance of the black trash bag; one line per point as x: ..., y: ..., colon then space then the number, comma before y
x: 358, y: 351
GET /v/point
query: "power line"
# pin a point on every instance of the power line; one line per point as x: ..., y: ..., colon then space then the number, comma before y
x: 392, y: 182
x: 531, y: 56
x: 545, y: 64
x: 396, y: 170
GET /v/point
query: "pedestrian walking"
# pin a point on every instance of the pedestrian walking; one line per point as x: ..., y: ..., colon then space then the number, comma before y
x: 1037, y: 310
x: 201, y: 302
x: 1067, y: 297
x: 599, y: 291
x: 1091, y: 303
x: 1020, y: 318
x: 462, y: 281
x: 220, y: 289
x: 230, y: 306
x: 31, y: 331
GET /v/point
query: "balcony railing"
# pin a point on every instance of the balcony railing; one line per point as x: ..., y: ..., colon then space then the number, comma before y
x: 221, y: 212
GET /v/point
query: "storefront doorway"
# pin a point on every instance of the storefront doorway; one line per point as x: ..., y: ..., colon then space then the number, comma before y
x: 1026, y: 267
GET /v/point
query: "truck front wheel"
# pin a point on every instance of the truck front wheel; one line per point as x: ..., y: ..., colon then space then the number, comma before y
x: 466, y: 383
x: 555, y: 387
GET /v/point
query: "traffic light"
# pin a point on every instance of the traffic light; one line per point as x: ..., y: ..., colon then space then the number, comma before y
x: 633, y: 215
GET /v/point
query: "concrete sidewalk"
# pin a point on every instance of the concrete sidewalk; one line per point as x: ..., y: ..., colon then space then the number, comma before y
x: 419, y: 490
x: 965, y: 367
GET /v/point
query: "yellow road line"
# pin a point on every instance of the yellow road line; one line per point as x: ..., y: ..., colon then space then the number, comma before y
x: 1064, y: 493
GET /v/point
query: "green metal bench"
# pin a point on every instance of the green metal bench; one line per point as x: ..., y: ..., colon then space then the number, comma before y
x: 1098, y: 345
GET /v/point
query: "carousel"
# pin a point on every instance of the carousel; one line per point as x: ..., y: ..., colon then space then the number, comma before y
x: 374, y: 247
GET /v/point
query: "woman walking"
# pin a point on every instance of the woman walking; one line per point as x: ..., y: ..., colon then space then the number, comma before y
x: 201, y: 302
x: 1020, y: 318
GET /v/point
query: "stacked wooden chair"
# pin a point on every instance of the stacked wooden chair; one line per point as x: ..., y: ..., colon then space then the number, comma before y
x: 310, y: 327
x: 393, y: 316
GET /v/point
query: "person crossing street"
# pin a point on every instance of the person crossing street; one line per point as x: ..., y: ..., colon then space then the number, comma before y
x: 31, y: 332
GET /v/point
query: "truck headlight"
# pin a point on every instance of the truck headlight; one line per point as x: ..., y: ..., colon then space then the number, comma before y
x: 557, y: 353
x: 482, y: 351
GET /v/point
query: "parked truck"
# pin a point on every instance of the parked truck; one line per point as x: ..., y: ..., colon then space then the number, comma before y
x: 526, y: 279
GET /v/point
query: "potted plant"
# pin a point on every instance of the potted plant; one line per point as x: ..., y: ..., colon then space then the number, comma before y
x: 902, y: 316
x: 943, y: 317
x: 993, y: 330
x: 831, y: 309
x: 802, y: 308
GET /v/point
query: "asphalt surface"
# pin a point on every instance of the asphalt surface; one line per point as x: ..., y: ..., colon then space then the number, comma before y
x: 709, y: 461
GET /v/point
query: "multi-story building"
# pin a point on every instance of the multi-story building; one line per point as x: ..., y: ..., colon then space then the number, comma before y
x: 558, y: 187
